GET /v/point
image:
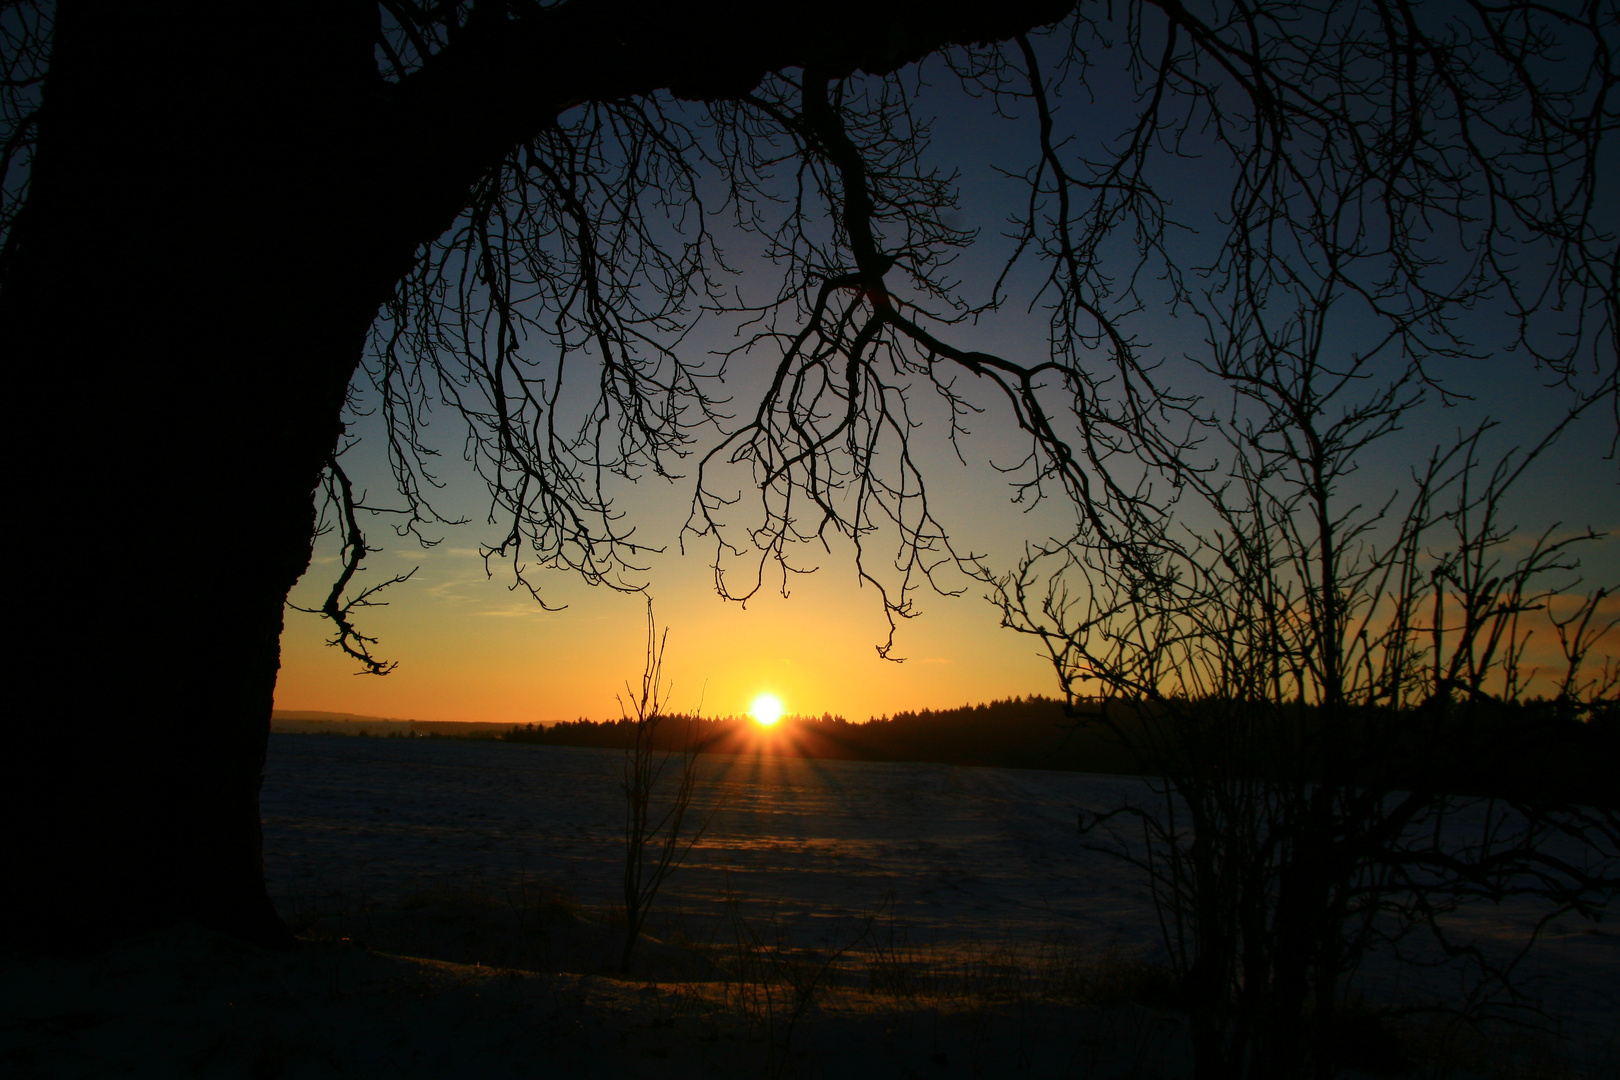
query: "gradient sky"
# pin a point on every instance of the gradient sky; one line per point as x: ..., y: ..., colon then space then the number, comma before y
x: 470, y: 648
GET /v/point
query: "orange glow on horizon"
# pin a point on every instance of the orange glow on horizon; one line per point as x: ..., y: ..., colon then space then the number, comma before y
x: 767, y: 709
x: 468, y: 650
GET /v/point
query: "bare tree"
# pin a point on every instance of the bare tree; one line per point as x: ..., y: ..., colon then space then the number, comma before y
x: 657, y: 833
x: 516, y: 205
x: 205, y: 209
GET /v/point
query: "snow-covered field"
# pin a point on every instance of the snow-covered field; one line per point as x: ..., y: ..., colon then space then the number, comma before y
x: 967, y: 853
x: 953, y: 856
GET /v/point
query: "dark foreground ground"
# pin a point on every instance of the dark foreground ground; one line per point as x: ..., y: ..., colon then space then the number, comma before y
x: 840, y: 919
x: 188, y: 1003
x: 185, y: 1002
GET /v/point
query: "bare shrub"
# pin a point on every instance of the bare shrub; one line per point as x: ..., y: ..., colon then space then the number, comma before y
x: 657, y: 835
x: 1334, y: 699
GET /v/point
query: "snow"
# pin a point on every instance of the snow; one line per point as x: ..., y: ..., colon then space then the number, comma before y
x: 955, y: 857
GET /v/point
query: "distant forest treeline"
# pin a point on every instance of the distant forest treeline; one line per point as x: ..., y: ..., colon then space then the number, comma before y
x: 1522, y: 751
x: 1020, y: 733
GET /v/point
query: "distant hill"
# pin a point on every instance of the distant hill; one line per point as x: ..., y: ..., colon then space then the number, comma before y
x: 316, y: 722
x: 297, y: 715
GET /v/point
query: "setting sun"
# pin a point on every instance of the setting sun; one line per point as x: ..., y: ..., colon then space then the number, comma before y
x: 766, y: 709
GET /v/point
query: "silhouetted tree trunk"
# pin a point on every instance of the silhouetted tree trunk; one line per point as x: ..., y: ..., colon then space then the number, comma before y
x: 221, y: 198
x: 188, y: 302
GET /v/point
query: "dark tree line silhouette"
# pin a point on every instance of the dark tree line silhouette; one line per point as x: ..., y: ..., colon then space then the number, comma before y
x: 1014, y: 733
x: 1524, y: 750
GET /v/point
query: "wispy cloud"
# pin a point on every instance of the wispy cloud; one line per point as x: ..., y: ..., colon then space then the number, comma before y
x: 454, y: 590
x: 515, y: 611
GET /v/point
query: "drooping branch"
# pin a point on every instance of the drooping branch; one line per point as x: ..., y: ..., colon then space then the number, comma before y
x: 340, y: 607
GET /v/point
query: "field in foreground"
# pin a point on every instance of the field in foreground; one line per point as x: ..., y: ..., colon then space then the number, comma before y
x: 840, y: 919
x: 184, y: 1002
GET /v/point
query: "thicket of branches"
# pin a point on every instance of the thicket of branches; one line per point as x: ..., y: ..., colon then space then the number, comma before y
x: 1391, y: 174
x: 1315, y: 689
x: 1388, y: 170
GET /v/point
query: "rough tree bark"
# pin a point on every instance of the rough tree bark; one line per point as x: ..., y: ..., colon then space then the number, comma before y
x: 221, y: 198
